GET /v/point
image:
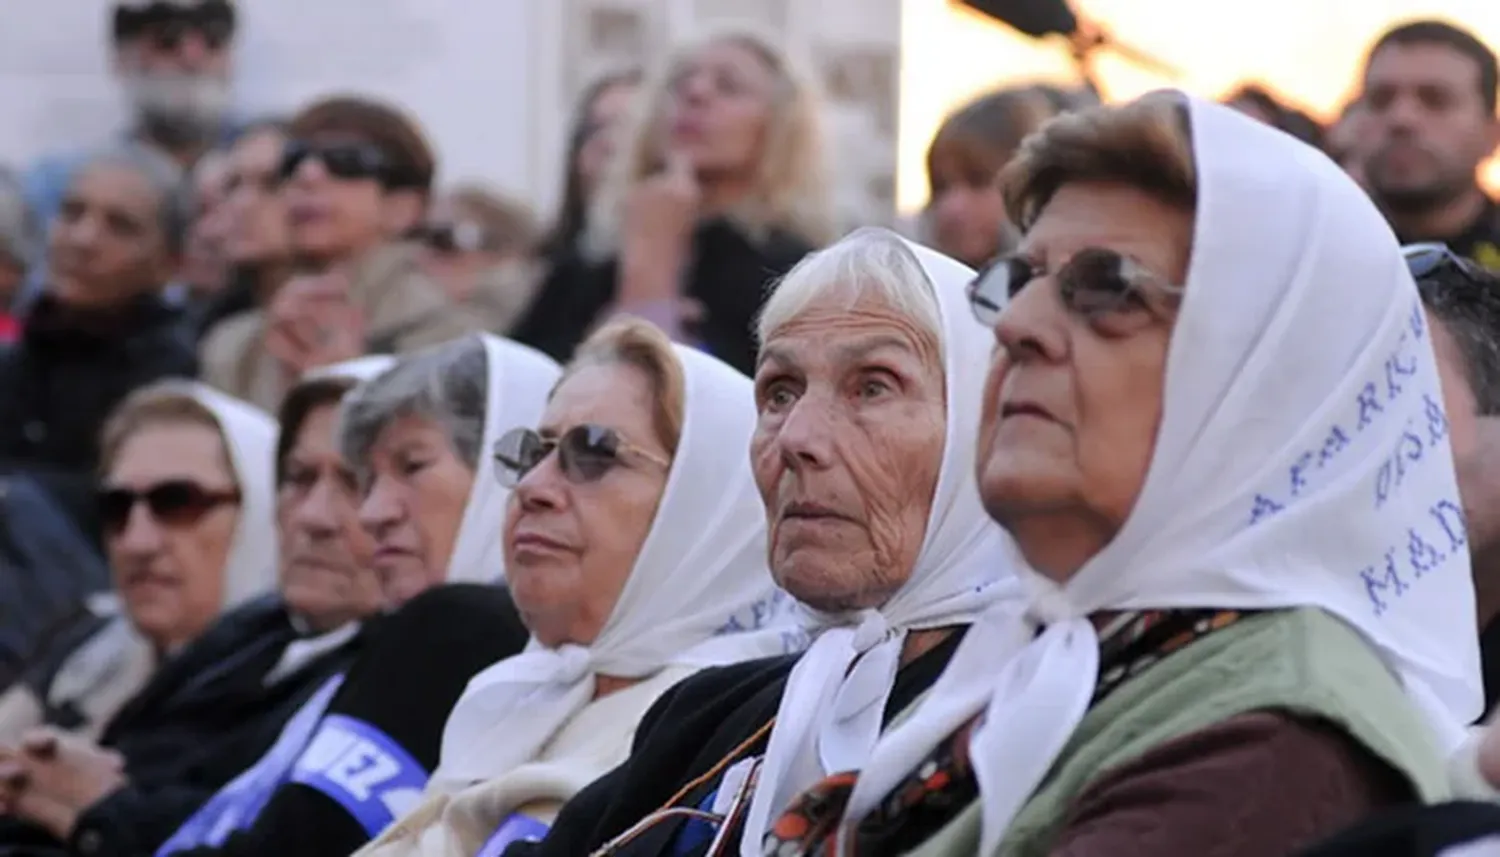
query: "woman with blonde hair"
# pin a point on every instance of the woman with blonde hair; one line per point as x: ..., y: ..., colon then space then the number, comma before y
x: 718, y: 187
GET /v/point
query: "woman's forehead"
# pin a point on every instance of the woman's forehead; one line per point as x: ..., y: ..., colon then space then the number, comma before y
x: 831, y: 335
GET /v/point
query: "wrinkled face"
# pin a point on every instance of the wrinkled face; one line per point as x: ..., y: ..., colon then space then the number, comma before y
x: 1427, y: 122
x: 106, y: 244
x: 255, y: 213
x: 570, y: 546
x: 335, y: 217
x: 601, y: 133
x: 326, y: 572
x: 1476, y: 442
x: 414, y: 505
x: 967, y: 212
x: 719, y: 109
x: 1072, y: 403
x: 847, y: 450
x: 171, y: 574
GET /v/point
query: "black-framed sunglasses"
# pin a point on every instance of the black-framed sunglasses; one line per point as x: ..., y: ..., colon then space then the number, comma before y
x: 174, y: 503
x: 167, y: 24
x: 1431, y: 257
x: 585, y: 453
x: 1096, y: 284
x: 350, y: 161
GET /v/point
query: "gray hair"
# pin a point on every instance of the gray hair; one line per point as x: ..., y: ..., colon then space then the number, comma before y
x: 447, y: 383
x: 868, y: 263
x: 1467, y: 303
x: 173, y: 192
x: 20, y: 232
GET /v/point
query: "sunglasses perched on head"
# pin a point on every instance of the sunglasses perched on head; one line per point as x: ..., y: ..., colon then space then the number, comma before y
x: 585, y: 453
x: 351, y: 161
x: 175, y: 503
x: 1096, y: 284
x: 1430, y: 258
x: 167, y: 24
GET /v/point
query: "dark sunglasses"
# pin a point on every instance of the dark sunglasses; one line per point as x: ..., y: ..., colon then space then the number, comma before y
x: 350, y: 161
x: 451, y: 238
x: 585, y: 453
x: 175, y: 503
x: 1096, y: 284
x: 1429, y: 258
x: 167, y: 24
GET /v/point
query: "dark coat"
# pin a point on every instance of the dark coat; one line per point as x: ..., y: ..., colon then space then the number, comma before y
x: 684, y: 736
x: 206, y: 714
x: 730, y: 275
x: 64, y: 377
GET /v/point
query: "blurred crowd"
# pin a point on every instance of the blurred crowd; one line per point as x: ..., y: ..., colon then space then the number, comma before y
x: 344, y: 512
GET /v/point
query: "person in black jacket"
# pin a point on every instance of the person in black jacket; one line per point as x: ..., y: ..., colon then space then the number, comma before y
x: 415, y: 438
x: 715, y: 194
x: 858, y: 413
x: 211, y: 711
x: 102, y: 328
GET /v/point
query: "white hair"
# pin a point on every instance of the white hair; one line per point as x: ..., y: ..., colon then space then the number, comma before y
x: 869, y: 263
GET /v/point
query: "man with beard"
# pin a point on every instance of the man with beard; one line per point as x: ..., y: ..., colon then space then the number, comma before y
x: 1428, y: 113
x: 172, y: 60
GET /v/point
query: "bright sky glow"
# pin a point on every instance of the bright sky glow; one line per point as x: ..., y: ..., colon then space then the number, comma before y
x: 1305, y: 50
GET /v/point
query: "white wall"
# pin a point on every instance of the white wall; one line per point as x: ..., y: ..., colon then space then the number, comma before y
x: 492, y: 81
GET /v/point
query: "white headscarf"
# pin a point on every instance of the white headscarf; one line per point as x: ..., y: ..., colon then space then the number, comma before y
x: 835, y: 698
x: 249, y: 436
x: 1296, y: 465
x: 701, y: 567
x: 519, y: 382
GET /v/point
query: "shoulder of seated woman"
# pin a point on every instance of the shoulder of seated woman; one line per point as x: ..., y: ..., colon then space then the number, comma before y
x: 716, y: 699
x: 1310, y: 755
x: 438, y: 606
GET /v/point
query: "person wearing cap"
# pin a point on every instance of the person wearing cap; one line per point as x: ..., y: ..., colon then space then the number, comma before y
x: 173, y: 61
x: 356, y: 177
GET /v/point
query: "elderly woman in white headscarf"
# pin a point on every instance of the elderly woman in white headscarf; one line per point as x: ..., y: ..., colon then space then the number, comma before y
x: 634, y: 550
x: 1213, y: 428
x: 187, y: 502
x: 186, y: 499
x: 415, y: 441
x: 229, y: 693
x: 868, y: 394
x: 417, y: 436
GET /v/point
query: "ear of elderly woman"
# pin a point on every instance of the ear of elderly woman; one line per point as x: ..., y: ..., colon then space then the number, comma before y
x: 1242, y: 644
x: 867, y: 395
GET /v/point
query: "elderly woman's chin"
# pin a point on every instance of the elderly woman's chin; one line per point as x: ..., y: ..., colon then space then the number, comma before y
x: 1033, y: 493
x: 828, y: 578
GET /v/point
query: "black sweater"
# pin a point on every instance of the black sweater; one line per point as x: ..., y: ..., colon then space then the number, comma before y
x: 684, y: 736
